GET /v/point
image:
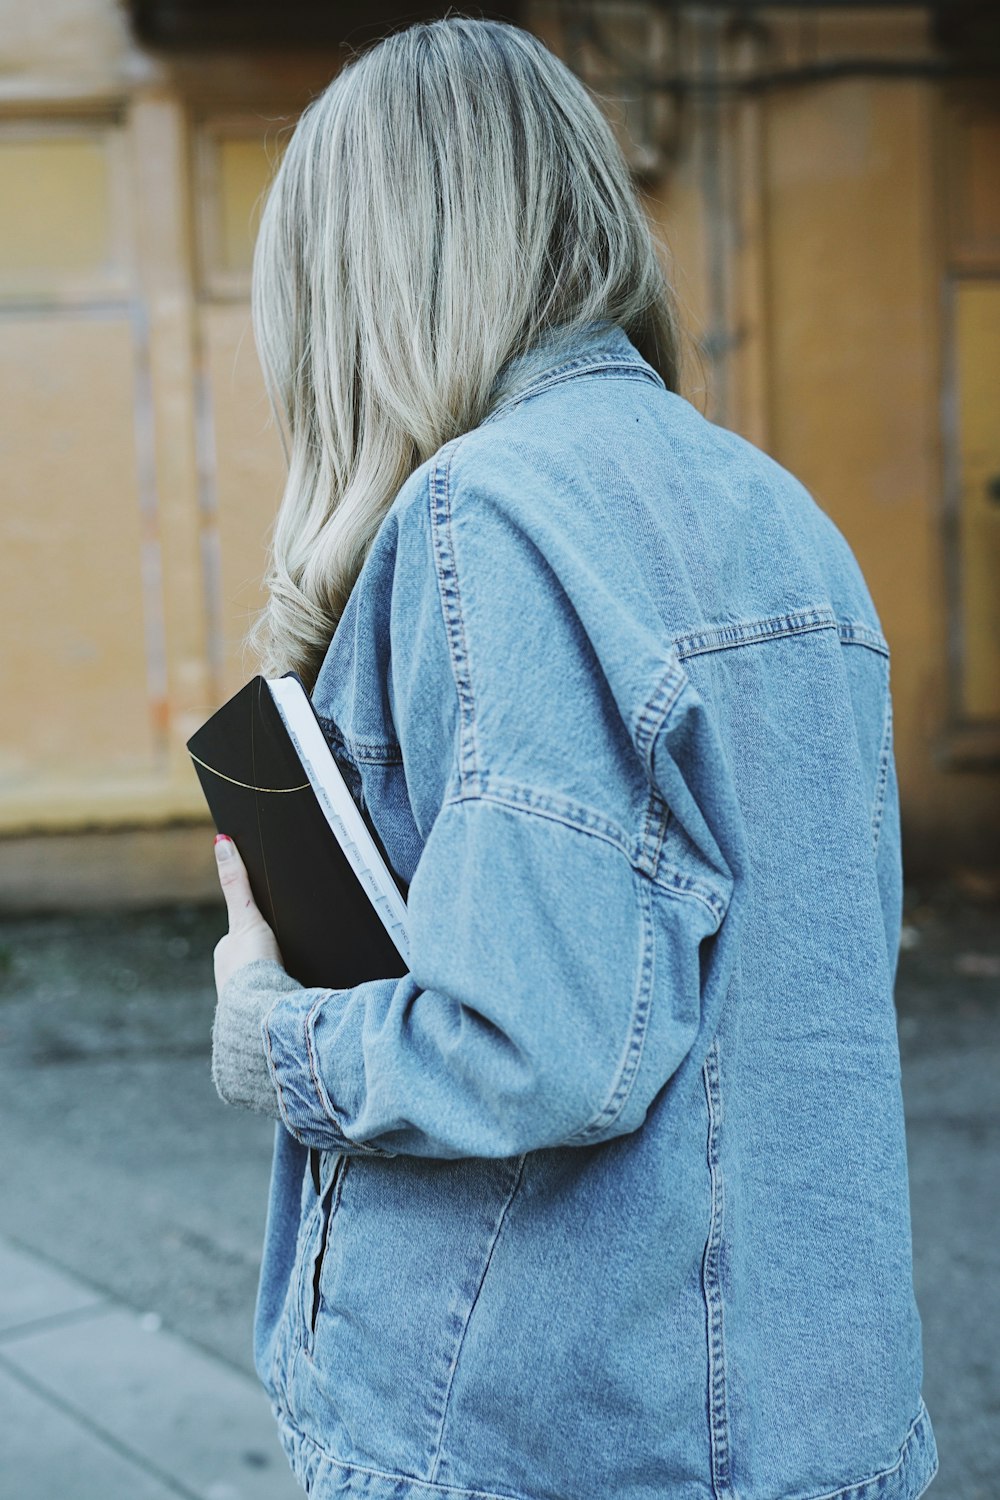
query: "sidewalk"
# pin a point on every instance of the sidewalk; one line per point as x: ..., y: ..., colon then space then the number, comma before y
x: 132, y: 1208
x: 100, y: 1402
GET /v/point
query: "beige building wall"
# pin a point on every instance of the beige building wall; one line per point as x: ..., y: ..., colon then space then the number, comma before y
x: 836, y: 250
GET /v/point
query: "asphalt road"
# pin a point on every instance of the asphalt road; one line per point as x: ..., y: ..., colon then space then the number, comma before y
x: 121, y: 1168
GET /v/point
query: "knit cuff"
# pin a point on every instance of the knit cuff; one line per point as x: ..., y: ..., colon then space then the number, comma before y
x: 240, y: 1069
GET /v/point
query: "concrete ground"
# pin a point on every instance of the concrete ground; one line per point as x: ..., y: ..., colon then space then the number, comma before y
x: 132, y: 1206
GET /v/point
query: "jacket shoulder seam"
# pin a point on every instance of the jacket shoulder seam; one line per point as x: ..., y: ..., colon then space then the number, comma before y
x: 528, y: 800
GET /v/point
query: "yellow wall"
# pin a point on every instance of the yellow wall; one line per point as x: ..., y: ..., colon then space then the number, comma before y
x: 860, y: 396
x: 836, y: 250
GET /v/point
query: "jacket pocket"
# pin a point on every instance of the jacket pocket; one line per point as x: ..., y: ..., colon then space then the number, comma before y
x: 328, y: 1209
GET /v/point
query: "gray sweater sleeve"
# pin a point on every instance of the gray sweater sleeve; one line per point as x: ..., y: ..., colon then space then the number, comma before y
x: 240, y: 1069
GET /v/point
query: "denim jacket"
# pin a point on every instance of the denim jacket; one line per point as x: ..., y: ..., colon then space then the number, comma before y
x: 612, y: 1199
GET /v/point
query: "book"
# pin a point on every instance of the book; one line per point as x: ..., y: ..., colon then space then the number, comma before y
x: 318, y: 869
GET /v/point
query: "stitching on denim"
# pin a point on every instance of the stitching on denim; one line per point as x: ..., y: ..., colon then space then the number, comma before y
x: 326, y: 1103
x: 722, y: 1484
x: 276, y: 1077
x: 695, y: 643
x: 650, y: 725
x: 616, y: 365
x: 451, y: 604
x: 657, y: 850
x: 867, y: 1489
x: 666, y: 877
x: 440, y: 1491
x: 357, y: 750
x: 657, y: 710
x: 654, y: 830
x: 518, y: 1175
x: 885, y: 751
x: 629, y: 1067
x: 862, y: 635
x: 560, y: 809
x: 795, y: 622
x: 676, y: 883
x: 746, y: 632
x: 374, y: 754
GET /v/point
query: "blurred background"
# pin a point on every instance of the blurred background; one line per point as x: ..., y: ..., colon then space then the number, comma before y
x: 827, y: 180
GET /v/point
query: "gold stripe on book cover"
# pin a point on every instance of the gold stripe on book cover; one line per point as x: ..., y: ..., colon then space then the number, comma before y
x: 246, y: 785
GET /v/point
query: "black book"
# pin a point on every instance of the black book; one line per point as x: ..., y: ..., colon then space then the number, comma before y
x: 318, y: 870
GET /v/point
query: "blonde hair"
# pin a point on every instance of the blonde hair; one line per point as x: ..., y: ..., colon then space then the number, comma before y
x: 453, y: 195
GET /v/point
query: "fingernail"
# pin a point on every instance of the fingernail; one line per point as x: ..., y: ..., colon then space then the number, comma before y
x: 223, y: 846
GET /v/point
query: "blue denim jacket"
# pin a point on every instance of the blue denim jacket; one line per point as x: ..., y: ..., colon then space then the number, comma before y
x: 613, y: 1198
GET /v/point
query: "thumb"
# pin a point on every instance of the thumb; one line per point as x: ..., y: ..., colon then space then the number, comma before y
x: 235, y: 884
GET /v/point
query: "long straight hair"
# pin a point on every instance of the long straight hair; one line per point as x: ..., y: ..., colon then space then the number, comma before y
x: 453, y: 196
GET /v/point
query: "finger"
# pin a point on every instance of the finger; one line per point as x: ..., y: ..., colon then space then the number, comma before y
x: 235, y: 883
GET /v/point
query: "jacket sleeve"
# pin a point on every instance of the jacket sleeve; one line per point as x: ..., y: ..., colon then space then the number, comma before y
x: 553, y: 988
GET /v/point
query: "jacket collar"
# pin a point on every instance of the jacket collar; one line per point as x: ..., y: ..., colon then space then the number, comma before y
x: 559, y: 354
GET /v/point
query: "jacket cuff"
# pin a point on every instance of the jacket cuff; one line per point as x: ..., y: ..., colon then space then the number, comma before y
x: 240, y: 1069
x: 306, y: 1108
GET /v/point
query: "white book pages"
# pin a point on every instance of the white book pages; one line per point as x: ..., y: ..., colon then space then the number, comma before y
x: 339, y: 807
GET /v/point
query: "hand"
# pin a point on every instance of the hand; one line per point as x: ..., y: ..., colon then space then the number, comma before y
x: 249, y: 936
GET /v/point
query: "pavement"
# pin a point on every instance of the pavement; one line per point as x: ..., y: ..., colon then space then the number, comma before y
x: 132, y: 1206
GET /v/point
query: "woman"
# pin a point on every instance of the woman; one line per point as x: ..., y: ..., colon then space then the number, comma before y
x: 610, y: 1192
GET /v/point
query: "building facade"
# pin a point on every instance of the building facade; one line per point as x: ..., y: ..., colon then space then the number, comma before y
x: 827, y: 182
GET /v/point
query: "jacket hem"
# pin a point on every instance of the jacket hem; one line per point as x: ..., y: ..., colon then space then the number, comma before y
x: 907, y: 1478
x: 323, y: 1476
